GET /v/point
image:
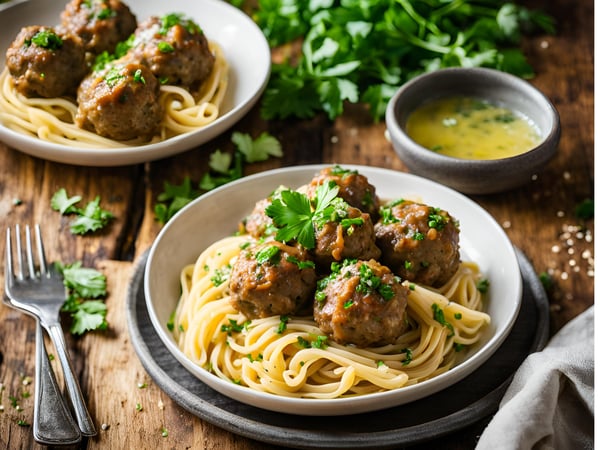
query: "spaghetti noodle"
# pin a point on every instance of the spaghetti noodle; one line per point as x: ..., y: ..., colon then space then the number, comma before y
x: 291, y: 357
x: 53, y: 119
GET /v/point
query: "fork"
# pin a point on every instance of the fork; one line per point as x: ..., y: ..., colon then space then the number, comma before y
x: 42, y: 296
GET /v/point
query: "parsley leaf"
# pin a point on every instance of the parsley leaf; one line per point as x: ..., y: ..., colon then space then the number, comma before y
x: 89, y: 219
x: 224, y: 168
x: 64, y: 204
x: 85, y: 286
x: 293, y: 215
x: 259, y: 149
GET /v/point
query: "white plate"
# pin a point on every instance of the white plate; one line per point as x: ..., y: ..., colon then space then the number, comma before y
x: 217, y: 214
x: 243, y: 44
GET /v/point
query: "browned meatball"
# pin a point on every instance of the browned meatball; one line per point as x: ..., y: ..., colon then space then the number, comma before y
x: 419, y: 242
x: 354, y: 188
x: 120, y: 102
x: 258, y: 224
x: 361, y: 303
x: 272, y: 279
x: 44, y: 63
x: 101, y: 24
x: 175, y: 49
x: 348, y: 233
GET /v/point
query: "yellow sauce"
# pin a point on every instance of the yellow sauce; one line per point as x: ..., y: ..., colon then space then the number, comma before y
x: 469, y: 128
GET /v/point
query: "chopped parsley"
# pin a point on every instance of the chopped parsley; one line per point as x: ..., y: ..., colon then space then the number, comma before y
x: 301, y: 264
x: 221, y: 275
x: 138, y: 77
x: 483, y: 285
x: 369, y: 282
x: 45, y: 39
x: 319, y: 342
x: 114, y: 76
x: 387, y: 212
x: 270, y: 254
x: 408, y: 356
x: 283, y: 321
x: 101, y: 60
x: 165, y: 47
x: 170, y: 20
x: 436, y: 220
x: 438, y: 315
x: 234, y: 327
x: 106, y: 13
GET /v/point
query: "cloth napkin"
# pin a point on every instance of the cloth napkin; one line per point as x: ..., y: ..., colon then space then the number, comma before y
x: 550, y: 401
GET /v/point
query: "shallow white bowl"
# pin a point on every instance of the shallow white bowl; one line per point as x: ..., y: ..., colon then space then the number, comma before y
x: 217, y: 213
x: 243, y: 44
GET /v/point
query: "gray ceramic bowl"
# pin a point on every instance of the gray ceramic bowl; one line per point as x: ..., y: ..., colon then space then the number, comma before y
x: 468, y: 175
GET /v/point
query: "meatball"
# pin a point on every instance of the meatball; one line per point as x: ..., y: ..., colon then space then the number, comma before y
x: 101, y: 24
x: 347, y: 233
x: 363, y: 303
x: 175, y: 49
x: 44, y: 63
x: 258, y: 224
x: 353, y: 187
x: 120, y: 102
x: 418, y: 242
x: 272, y: 279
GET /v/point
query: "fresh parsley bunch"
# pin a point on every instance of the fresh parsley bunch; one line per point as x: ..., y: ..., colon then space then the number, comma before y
x: 363, y: 50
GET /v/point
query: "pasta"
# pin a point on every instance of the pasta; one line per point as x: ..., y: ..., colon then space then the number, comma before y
x: 291, y: 358
x: 53, y: 119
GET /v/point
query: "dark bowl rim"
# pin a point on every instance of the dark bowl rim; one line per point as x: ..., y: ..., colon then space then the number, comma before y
x: 553, y: 133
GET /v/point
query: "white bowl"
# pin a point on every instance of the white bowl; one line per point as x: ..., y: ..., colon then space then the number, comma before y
x: 217, y: 213
x: 242, y: 42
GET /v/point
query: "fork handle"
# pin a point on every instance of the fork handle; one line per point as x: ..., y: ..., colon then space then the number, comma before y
x: 52, y: 421
x: 86, y: 425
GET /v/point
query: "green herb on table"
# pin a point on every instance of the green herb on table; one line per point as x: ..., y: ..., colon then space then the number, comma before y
x: 223, y: 168
x: 362, y: 51
x: 85, y: 287
x: 88, y: 219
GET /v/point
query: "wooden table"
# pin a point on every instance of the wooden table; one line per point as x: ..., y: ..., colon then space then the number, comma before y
x: 539, y: 218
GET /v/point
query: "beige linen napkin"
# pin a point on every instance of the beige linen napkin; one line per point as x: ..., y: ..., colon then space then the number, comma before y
x: 550, y: 401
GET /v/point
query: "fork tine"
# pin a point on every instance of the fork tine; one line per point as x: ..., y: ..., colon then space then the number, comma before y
x: 40, y: 249
x: 29, y: 250
x: 8, y: 265
x: 19, y: 272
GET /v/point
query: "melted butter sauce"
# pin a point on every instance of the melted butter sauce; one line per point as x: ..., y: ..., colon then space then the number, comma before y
x: 469, y: 128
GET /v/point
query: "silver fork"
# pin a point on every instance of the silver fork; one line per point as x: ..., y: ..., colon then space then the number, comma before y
x: 42, y: 295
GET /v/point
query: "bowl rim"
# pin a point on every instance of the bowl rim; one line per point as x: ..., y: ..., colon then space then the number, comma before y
x: 548, y: 145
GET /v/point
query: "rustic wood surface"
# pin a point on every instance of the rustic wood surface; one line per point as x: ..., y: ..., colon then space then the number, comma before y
x: 539, y: 218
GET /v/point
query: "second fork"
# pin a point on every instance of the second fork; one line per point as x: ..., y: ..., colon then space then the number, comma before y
x: 42, y: 295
